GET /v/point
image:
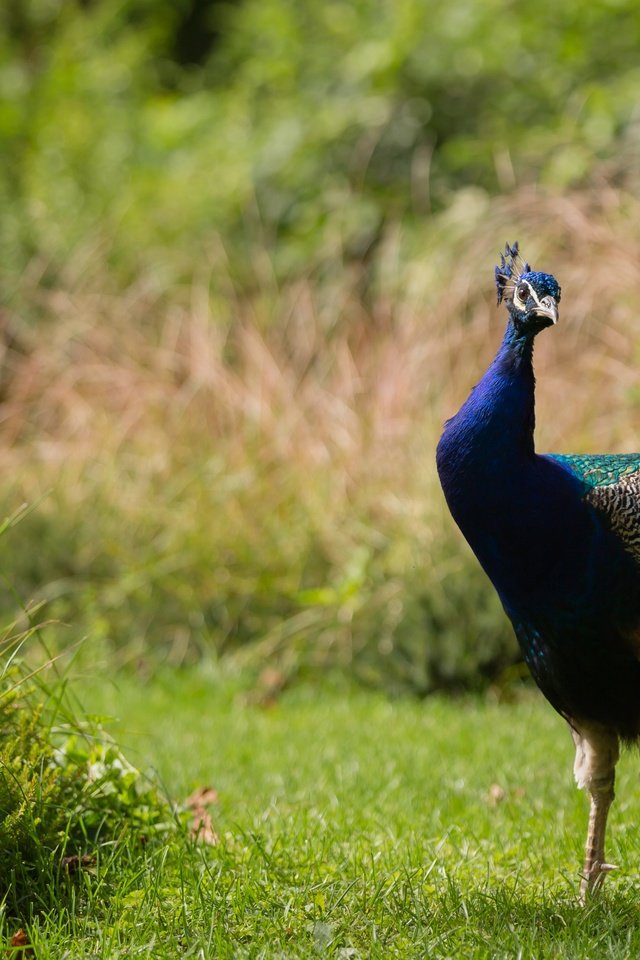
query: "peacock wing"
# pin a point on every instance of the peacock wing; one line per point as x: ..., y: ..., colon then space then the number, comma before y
x: 612, y: 486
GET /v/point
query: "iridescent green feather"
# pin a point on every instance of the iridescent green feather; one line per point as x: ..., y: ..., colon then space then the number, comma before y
x: 612, y: 486
x: 600, y: 469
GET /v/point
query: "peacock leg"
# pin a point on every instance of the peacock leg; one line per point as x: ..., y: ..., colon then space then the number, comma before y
x: 594, y: 769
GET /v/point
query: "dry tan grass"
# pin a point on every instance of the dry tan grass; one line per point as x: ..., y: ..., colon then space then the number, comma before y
x: 304, y: 413
x: 107, y: 373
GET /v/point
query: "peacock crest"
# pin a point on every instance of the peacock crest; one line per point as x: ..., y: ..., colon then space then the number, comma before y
x: 511, y: 268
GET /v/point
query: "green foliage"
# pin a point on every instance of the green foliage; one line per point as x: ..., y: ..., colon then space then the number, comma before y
x: 111, y: 796
x: 273, y: 575
x: 69, y: 799
x: 311, y: 127
x: 361, y: 113
x: 32, y: 816
x: 63, y: 794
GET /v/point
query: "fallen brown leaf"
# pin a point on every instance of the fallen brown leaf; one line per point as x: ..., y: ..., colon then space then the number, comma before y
x: 201, y: 827
x: 20, y: 945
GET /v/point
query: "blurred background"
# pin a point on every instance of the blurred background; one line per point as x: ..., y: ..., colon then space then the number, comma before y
x: 246, y: 258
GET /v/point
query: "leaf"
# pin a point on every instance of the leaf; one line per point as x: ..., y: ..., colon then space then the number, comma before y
x: 20, y: 945
x: 201, y: 827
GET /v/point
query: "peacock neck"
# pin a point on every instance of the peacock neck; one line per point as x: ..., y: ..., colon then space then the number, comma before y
x: 495, y: 425
x: 522, y: 514
x: 487, y: 463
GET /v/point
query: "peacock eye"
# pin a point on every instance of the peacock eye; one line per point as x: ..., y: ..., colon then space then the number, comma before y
x: 523, y: 292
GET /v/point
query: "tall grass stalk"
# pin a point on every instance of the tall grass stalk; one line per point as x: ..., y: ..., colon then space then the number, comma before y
x: 255, y: 472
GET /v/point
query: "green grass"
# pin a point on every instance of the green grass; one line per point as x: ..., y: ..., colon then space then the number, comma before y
x: 353, y: 826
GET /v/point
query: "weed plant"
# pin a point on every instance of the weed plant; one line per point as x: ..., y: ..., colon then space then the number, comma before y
x: 69, y: 800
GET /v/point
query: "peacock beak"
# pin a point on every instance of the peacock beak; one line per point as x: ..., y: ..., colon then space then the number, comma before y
x: 547, y: 307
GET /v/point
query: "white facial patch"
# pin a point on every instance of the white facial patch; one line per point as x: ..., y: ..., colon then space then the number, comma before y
x: 521, y: 301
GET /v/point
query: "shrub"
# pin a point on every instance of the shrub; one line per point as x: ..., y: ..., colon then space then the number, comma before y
x: 66, y: 794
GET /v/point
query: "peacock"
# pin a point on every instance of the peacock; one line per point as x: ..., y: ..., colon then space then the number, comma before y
x: 559, y: 538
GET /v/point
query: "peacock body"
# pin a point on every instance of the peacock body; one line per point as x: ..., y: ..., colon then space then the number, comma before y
x: 559, y: 537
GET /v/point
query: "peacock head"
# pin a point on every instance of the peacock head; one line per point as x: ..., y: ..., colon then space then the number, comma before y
x: 531, y: 298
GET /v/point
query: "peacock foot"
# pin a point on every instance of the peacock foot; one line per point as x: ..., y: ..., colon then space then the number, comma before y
x: 593, y: 878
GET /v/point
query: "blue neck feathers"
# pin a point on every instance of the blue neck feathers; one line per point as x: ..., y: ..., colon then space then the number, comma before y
x: 496, y: 423
x: 508, y: 502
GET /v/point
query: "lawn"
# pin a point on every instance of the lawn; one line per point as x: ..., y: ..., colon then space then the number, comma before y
x: 351, y: 826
